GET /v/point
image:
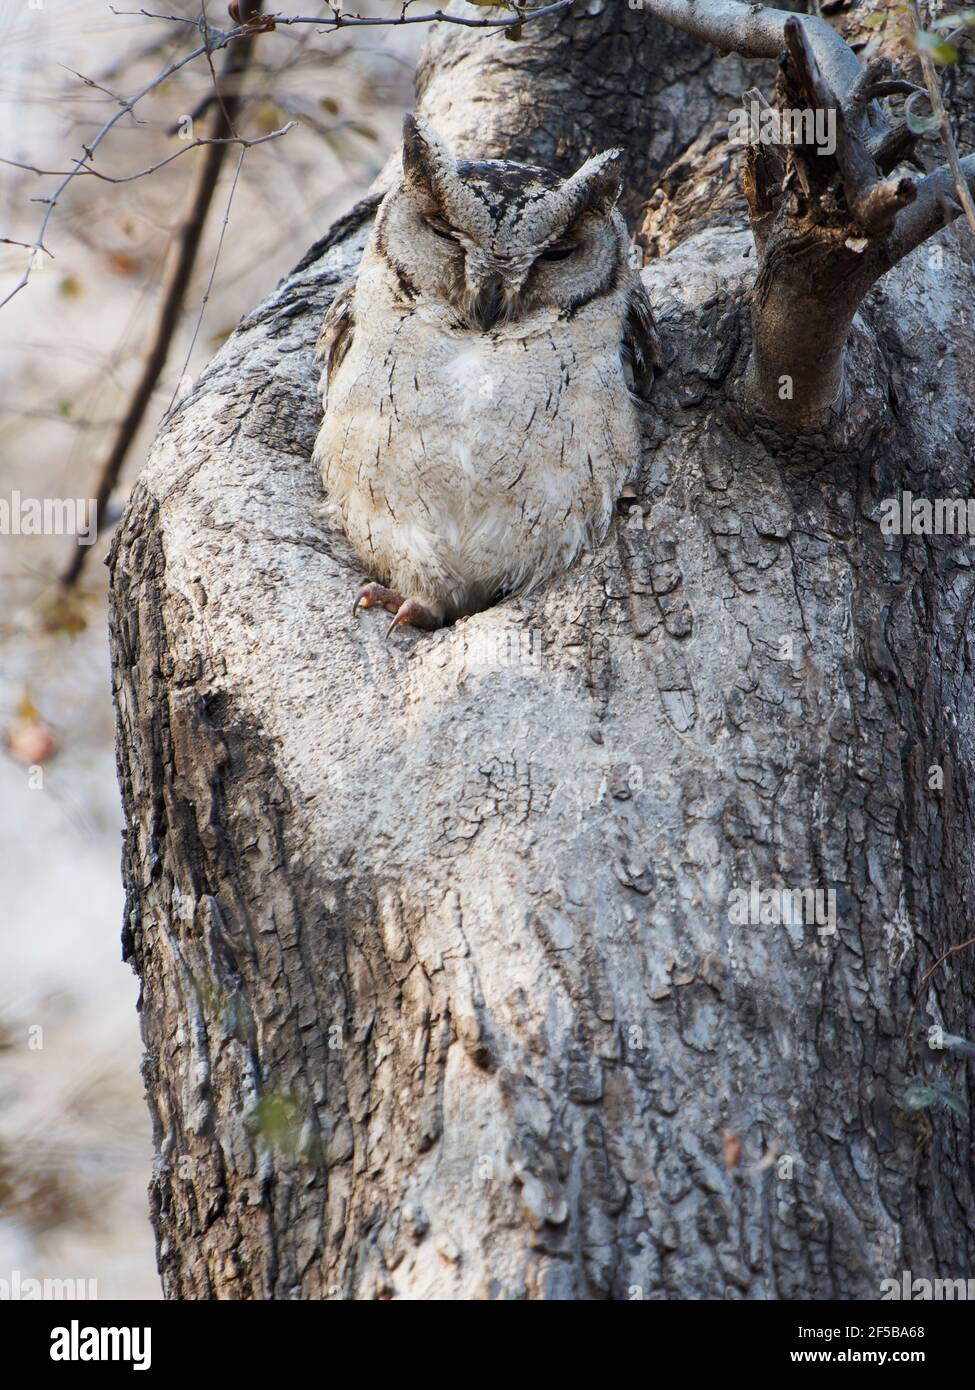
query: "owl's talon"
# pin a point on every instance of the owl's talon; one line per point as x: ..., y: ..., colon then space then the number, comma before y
x: 405, y: 611
x: 377, y: 596
x: 413, y: 613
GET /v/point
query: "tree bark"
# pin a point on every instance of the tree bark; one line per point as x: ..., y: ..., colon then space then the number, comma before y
x: 441, y: 994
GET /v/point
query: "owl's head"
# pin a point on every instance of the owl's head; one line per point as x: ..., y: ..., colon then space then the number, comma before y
x: 500, y: 241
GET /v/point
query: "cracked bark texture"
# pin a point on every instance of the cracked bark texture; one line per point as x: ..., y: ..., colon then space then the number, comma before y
x: 440, y: 994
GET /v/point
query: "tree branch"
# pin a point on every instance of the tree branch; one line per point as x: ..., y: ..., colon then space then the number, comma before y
x: 246, y: 31
x: 935, y: 207
x: 341, y: 20
x: 756, y: 31
x: 944, y: 127
x: 873, y: 202
x: 151, y: 168
x: 38, y: 246
x: 177, y: 277
x: 823, y: 240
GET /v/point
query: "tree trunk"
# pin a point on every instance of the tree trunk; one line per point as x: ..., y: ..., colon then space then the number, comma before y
x: 442, y: 995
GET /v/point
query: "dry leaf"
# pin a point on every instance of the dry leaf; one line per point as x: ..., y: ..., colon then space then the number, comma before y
x: 122, y: 263
x: 27, y: 711
x: 268, y: 117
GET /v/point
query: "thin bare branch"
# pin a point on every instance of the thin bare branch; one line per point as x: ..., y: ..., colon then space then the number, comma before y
x: 89, y: 149
x: 250, y: 30
x: 97, y: 86
x: 944, y: 126
x: 152, y: 168
x: 28, y: 246
x: 213, y: 270
x: 179, y: 271
x: 218, y: 95
x: 340, y: 20
x: 889, y: 87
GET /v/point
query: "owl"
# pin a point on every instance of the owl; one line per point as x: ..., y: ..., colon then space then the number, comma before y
x: 478, y: 380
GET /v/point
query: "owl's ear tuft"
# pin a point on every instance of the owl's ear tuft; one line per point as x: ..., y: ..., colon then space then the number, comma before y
x: 594, y: 189
x: 426, y: 158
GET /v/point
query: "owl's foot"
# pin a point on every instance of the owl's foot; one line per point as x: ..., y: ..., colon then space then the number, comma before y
x: 406, y: 612
x: 377, y: 596
x: 413, y: 613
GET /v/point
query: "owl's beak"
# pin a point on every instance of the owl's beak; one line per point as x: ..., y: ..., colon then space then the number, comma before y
x: 489, y: 303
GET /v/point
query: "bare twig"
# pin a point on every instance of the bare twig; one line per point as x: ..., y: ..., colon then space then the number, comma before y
x: 90, y: 82
x: 89, y: 150
x: 213, y: 270
x: 951, y: 951
x: 944, y: 126
x: 152, y: 168
x: 218, y: 95
x: 341, y: 20
x: 28, y: 246
x: 177, y: 278
x: 246, y: 31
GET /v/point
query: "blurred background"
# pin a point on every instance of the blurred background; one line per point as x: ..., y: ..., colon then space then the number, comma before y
x: 75, y: 1145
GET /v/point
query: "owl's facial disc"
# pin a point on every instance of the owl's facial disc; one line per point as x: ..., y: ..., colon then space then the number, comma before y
x: 499, y: 241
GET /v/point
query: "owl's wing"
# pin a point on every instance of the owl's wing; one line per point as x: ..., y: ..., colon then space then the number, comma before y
x: 641, y: 345
x: 338, y: 328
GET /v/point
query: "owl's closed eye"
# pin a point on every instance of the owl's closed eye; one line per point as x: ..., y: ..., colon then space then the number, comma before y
x: 499, y: 241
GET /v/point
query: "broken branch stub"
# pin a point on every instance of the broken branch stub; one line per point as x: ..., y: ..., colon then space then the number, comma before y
x: 821, y: 208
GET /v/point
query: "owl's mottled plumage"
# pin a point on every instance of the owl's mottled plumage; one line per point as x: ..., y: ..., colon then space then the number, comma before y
x: 479, y: 423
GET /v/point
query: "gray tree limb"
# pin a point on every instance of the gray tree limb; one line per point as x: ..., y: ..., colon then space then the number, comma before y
x: 821, y: 260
